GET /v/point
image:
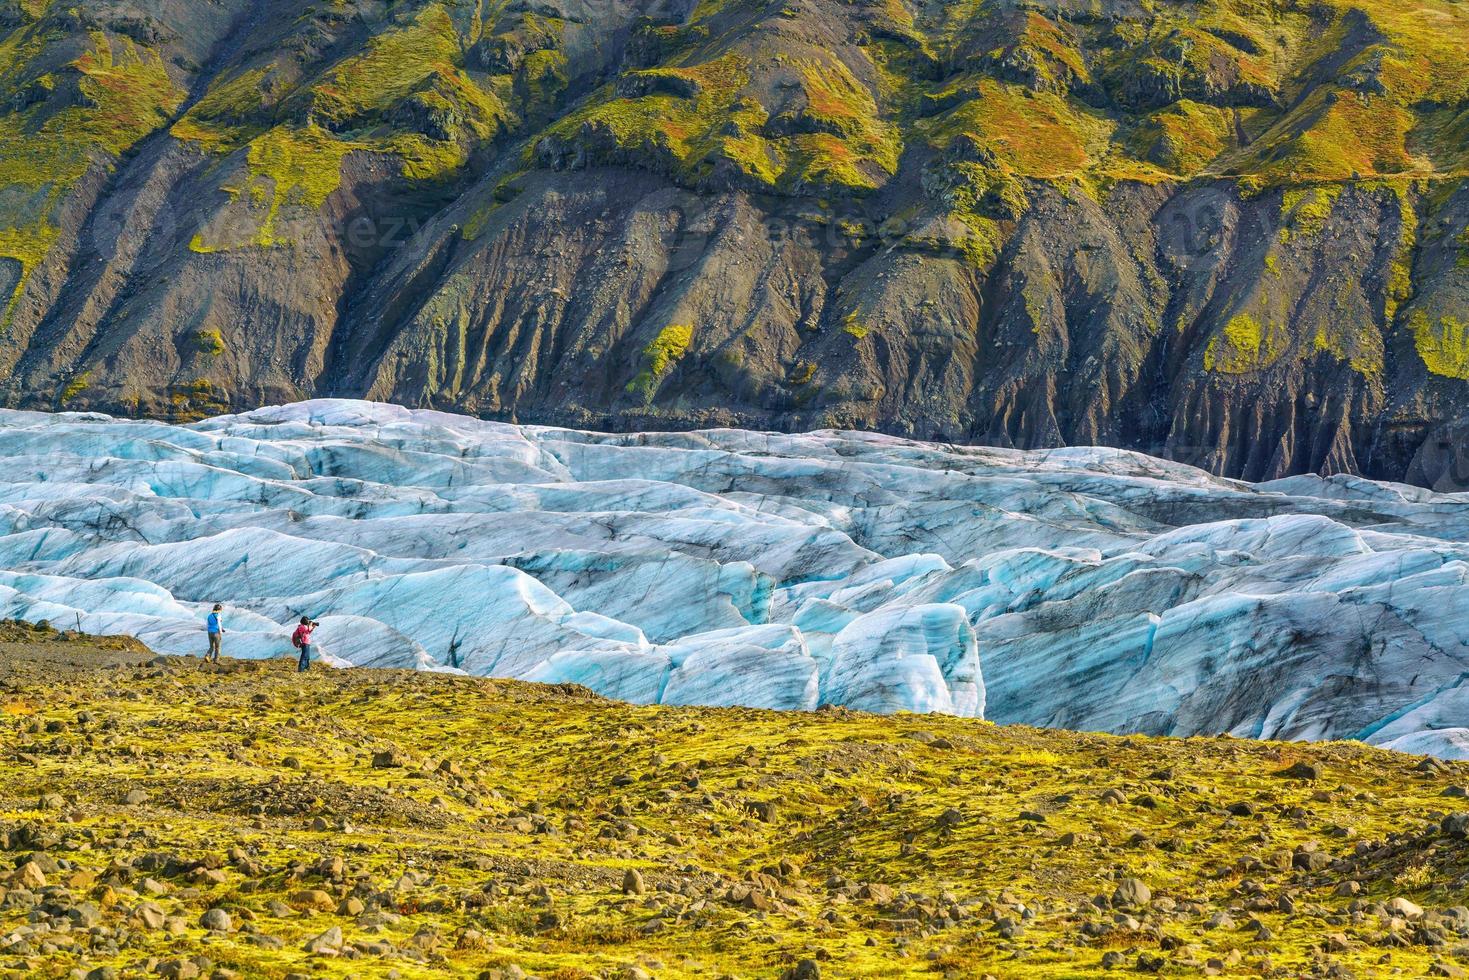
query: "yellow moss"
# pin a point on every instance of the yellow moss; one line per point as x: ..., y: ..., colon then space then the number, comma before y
x: 125, y: 93
x: 1244, y: 345
x: 1332, y: 136
x: 861, y: 140
x: 659, y: 357
x: 1400, y: 269
x: 1035, y: 135
x: 1444, y: 347
x: 300, y: 168
x: 414, y: 65
x: 853, y: 326
x: 1186, y: 137
x: 686, y: 134
x: 76, y: 386
x: 512, y: 847
x: 1362, y: 350
x: 27, y: 246
x: 396, y: 64
x: 544, y: 75
x: 802, y: 372
x: 212, y: 121
x: 841, y: 143
x: 1307, y: 210
x: 1426, y: 59
x: 210, y: 342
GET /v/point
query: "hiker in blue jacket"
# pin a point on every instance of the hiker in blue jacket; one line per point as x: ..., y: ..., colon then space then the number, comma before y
x: 215, y: 630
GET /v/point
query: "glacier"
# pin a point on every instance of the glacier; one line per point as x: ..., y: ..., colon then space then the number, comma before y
x: 1083, y: 588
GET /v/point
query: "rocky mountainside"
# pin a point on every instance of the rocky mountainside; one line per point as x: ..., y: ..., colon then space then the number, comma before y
x: 1230, y: 232
x: 159, y: 818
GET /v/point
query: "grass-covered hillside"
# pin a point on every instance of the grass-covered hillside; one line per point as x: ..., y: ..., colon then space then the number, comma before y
x: 161, y: 817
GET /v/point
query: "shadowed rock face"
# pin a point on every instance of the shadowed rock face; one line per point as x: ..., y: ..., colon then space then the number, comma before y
x: 1233, y: 237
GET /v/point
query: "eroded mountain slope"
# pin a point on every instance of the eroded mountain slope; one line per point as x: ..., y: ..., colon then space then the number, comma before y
x: 1234, y: 233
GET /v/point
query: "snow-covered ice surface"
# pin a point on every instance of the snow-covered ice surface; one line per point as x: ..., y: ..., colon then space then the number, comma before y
x: 1100, y: 589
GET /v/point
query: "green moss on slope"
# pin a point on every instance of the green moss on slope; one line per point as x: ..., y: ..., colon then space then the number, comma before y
x: 659, y: 357
x: 1244, y: 345
x: 1443, y: 346
x: 119, y: 92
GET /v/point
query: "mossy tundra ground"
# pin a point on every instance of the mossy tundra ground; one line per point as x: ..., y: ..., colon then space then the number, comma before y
x: 161, y: 817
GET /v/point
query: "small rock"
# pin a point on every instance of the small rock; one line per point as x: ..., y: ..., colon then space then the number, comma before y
x: 149, y: 916
x: 472, y: 939
x: 30, y: 876
x: 1131, y: 893
x: 807, y: 969
x: 215, y: 920
x: 329, y: 943
x: 1311, y: 860
x: 763, y: 810
x: 389, y: 759
x: 1148, y: 963
x: 1404, y: 908
x: 1302, y: 770
x: 84, y: 915
x: 313, y: 898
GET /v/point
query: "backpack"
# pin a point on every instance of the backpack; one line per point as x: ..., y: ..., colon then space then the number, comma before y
x: 296, y: 638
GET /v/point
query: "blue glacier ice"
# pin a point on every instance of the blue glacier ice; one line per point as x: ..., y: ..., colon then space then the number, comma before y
x: 1085, y: 588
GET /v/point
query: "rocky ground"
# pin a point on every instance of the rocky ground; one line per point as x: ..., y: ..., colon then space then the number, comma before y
x: 163, y: 817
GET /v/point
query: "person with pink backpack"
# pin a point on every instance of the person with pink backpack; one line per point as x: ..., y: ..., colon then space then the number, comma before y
x: 301, y: 640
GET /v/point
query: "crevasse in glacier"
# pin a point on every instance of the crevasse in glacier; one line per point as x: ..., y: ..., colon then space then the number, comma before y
x: 1082, y: 588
